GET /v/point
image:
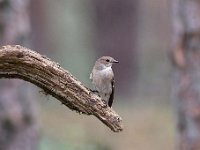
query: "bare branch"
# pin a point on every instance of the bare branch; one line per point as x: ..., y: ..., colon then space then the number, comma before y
x: 19, y: 62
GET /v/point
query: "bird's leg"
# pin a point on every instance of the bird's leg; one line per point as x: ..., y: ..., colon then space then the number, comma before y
x: 105, y: 103
x: 94, y: 91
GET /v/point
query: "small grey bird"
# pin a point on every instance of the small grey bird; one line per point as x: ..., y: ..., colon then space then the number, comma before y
x: 102, y: 77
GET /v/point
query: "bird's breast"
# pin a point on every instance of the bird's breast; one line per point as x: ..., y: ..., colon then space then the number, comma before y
x: 102, y: 80
x: 106, y: 74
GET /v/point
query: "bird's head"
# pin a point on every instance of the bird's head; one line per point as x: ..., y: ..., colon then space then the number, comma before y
x: 105, y: 61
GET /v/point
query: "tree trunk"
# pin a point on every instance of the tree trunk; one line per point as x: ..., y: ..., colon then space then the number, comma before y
x: 185, y: 57
x: 18, y: 123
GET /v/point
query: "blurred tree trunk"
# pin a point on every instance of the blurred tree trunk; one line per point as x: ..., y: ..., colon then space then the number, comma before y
x: 39, y: 21
x: 18, y: 124
x: 186, y: 73
x: 116, y: 22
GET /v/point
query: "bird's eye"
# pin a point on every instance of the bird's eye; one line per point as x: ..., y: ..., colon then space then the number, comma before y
x: 107, y: 60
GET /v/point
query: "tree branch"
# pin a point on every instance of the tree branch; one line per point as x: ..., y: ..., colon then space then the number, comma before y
x: 19, y: 62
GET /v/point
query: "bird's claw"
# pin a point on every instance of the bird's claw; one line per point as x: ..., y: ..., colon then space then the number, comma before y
x: 104, y: 102
x: 94, y: 91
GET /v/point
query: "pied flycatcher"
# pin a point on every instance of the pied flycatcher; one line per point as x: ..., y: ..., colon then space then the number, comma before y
x: 102, y: 77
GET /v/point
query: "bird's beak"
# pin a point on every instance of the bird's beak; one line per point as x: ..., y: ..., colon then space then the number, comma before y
x: 115, y: 61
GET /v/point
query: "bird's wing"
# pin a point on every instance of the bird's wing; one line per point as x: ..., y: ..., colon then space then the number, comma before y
x: 110, y: 101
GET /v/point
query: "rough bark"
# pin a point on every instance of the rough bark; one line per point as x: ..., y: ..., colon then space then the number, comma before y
x: 185, y: 57
x: 22, y: 63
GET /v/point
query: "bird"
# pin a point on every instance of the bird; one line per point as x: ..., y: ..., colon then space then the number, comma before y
x: 102, y: 77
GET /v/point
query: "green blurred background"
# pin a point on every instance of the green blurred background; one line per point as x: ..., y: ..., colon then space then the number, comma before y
x: 71, y: 32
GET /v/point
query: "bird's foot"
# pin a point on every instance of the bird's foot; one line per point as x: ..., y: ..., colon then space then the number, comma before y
x: 94, y: 91
x: 105, y: 103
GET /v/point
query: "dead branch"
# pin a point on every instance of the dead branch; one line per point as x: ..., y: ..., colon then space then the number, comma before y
x: 19, y: 62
